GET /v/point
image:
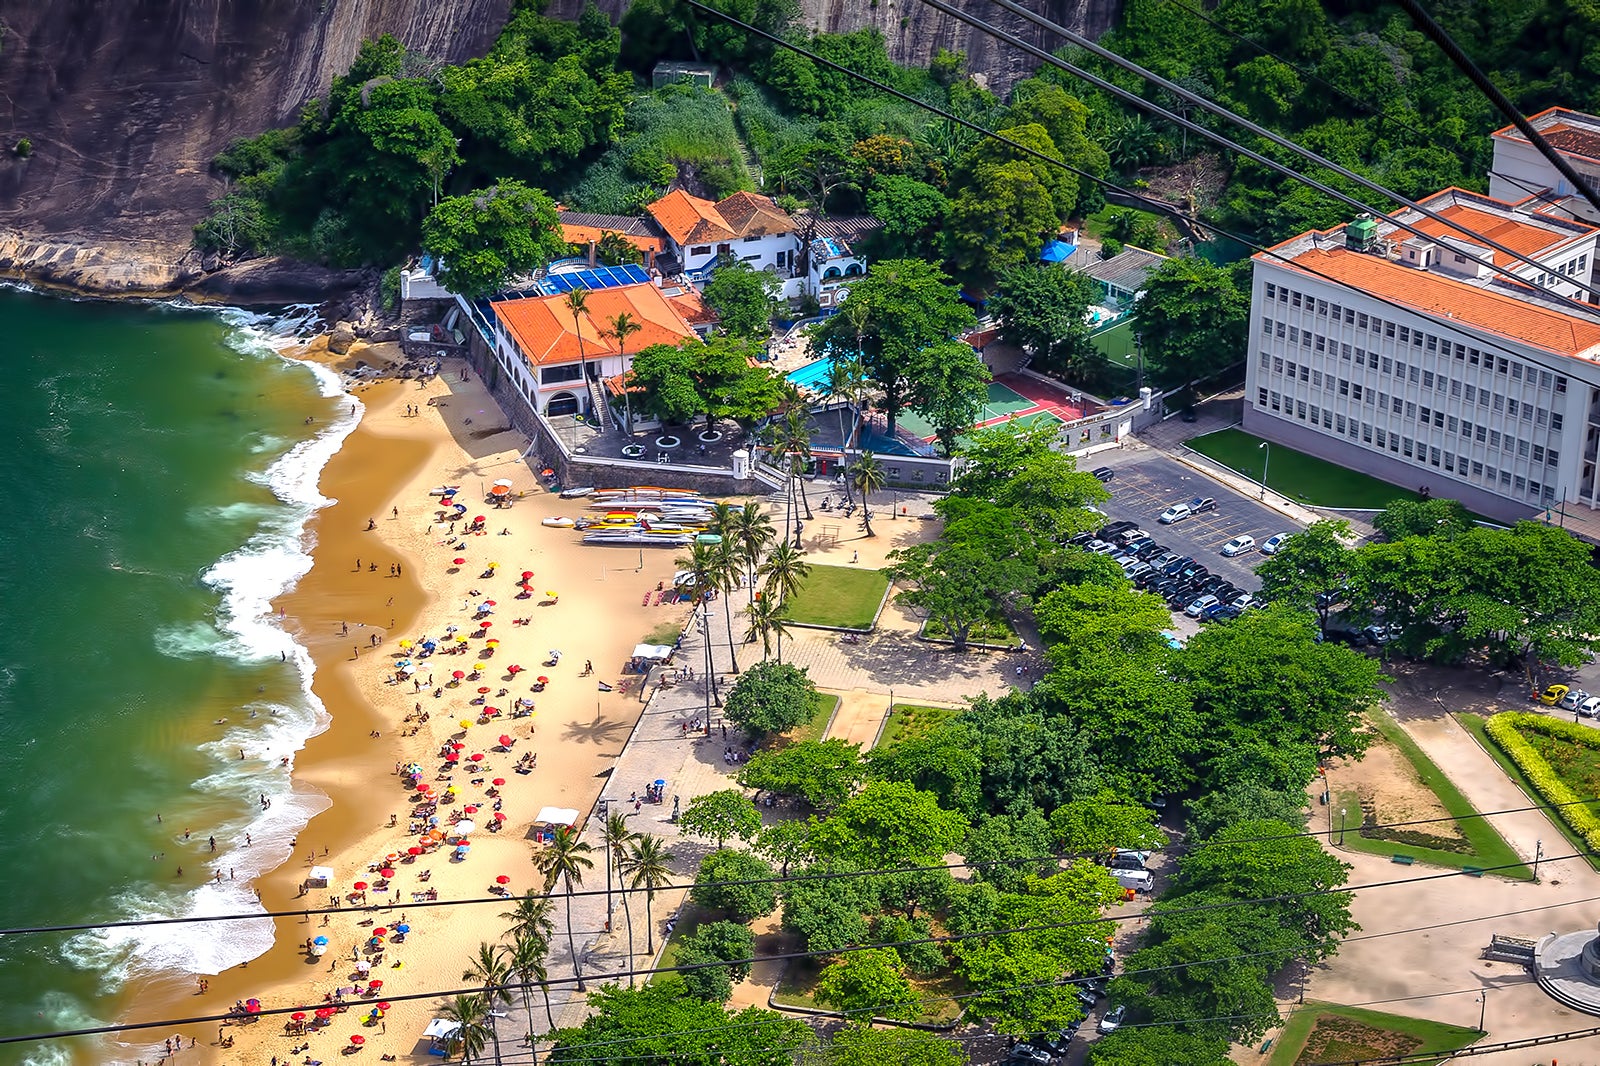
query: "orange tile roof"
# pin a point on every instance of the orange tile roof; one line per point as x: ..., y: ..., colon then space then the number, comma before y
x: 1577, y: 138
x: 689, y: 219
x: 1448, y: 299
x: 1473, y: 225
x: 543, y: 328
x: 749, y: 215
x: 574, y: 234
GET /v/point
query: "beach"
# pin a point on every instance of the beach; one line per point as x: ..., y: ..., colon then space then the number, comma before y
x: 382, y: 572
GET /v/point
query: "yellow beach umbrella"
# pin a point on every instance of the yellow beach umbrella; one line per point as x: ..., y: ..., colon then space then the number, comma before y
x: 461, y: 640
x: 405, y: 644
x: 466, y: 723
x: 494, y: 566
x: 477, y: 666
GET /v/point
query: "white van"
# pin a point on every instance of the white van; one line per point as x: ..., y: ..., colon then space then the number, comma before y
x: 1138, y: 880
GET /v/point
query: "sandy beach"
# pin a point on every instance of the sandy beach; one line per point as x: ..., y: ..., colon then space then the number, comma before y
x: 370, y: 588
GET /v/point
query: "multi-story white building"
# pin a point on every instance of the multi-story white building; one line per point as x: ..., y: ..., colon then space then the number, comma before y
x: 1519, y: 172
x: 1403, y: 358
x: 745, y: 226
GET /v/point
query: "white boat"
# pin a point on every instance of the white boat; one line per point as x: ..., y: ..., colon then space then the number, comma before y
x: 627, y: 538
x: 559, y: 522
x: 576, y: 493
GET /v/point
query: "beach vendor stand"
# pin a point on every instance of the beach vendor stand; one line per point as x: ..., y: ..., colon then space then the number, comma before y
x: 551, y: 818
x: 647, y: 655
x: 319, y: 877
x: 440, y: 1034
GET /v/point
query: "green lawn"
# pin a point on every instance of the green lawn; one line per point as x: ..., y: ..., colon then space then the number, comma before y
x: 822, y: 708
x: 1298, y: 476
x: 690, y: 918
x: 844, y: 596
x: 1474, y: 724
x: 907, y: 720
x: 665, y: 633
x: 1484, y: 846
x: 1326, y: 1032
x: 1116, y: 343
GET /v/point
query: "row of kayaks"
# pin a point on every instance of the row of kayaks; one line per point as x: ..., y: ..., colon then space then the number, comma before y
x: 642, y: 516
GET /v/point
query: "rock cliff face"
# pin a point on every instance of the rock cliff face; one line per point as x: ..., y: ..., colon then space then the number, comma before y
x: 125, y: 102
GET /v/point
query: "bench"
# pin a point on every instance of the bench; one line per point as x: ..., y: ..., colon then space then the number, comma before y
x: 1403, y: 860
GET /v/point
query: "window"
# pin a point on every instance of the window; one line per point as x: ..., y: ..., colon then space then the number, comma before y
x: 1300, y: 409
x: 1516, y: 371
x: 1361, y: 320
x: 1427, y: 379
x: 1541, y: 416
x: 1520, y: 483
x: 1316, y: 378
x: 1494, y: 438
x: 1388, y: 365
x: 1561, y: 383
x: 1545, y: 379
x: 1425, y: 414
x: 554, y: 375
x: 1505, y: 477
x: 1502, y: 365
x: 1266, y: 361
x: 1538, y: 454
x: 1322, y: 342
x: 1450, y: 423
x: 1276, y: 401
x: 1405, y: 334
x: 1305, y: 371
x: 1479, y: 433
x: 1349, y: 316
x: 1433, y: 343
x: 1522, y: 449
x: 1470, y: 393
x: 1322, y: 307
x: 1405, y: 447
x: 1355, y: 390
x: 1438, y: 420
x: 1272, y: 291
x: 1316, y: 413
x: 1344, y: 387
x: 1366, y: 433
x: 1344, y: 352
x: 1294, y: 334
x: 1261, y: 397
x: 1552, y: 457
x: 1266, y: 327
x: 1455, y: 388
x: 1388, y: 330
x: 700, y: 249
x: 1413, y: 372
x: 1450, y: 461
x: 1477, y: 469
x: 1555, y: 420
x: 1382, y: 437
x: 1277, y: 364
x: 1294, y: 299
x: 1280, y: 331
x: 1511, y: 408
x: 1411, y: 409
x: 1395, y: 404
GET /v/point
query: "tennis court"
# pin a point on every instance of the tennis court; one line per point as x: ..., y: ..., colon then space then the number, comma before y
x: 1000, y: 405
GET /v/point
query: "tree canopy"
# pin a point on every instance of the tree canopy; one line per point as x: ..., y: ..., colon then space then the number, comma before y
x: 822, y: 772
x: 712, y: 378
x: 666, y: 1023
x: 1191, y: 319
x: 487, y: 237
x: 743, y: 298
x: 770, y: 698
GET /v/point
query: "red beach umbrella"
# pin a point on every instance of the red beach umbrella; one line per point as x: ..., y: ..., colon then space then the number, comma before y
x: 458, y: 674
x: 505, y: 741
x: 413, y: 850
x: 470, y: 808
x: 380, y: 931
x: 499, y: 816
x: 386, y: 872
x: 526, y: 574
x: 360, y: 885
x: 325, y: 1012
x: 459, y: 562
x: 383, y: 1006
x: 483, y: 690
x: 542, y: 679
x: 513, y: 669
x: 480, y: 518
x: 476, y: 756
x: 452, y: 757
x: 458, y: 744
x: 298, y: 1016
x: 491, y: 603
x: 485, y: 625
x: 374, y: 984
x: 502, y: 880
x: 358, y: 1040
x: 498, y: 781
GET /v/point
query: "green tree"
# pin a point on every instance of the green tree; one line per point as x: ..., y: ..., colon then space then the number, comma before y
x: 982, y: 563
x: 828, y: 912
x: 565, y: 859
x: 1422, y: 518
x: 1313, y: 570
x: 664, y: 1023
x: 1015, y: 467
x: 1113, y: 617
x: 754, y: 534
x: 1005, y: 205
x: 743, y: 298
x: 1007, y: 849
x: 470, y: 1014
x: 649, y: 867
x: 1246, y: 799
x: 785, y: 843
x: 768, y: 618
x: 946, y: 761
x: 617, y: 834
x: 867, y: 476
x: 822, y: 772
x: 489, y: 967
x: 1043, y: 309
x: 619, y: 328
x: 784, y: 572
x: 577, y: 302
x: 715, y: 887
x: 911, y: 211
x: 716, y: 942
x: 889, y: 823
x: 906, y: 306
x: 1138, y: 1046
x: 952, y: 386
x: 859, y: 1044
x: 492, y: 236
x: 1191, y: 319
x: 870, y: 983
x: 720, y: 815
x: 525, y: 960
x: 712, y: 378
x: 1103, y: 822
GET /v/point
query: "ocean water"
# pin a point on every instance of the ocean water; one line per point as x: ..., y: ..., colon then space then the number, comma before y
x: 159, y: 472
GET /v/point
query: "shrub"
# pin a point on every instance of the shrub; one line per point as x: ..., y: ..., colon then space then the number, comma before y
x: 1505, y: 729
x: 24, y: 147
x: 717, y: 886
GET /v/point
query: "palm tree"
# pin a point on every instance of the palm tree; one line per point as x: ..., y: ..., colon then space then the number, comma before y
x: 489, y: 967
x: 471, y: 1034
x: 619, y: 329
x: 724, y: 523
x: 649, y: 870
x: 754, y: 532
x: 784, y: 571
x: 566, y: 858
x: 867, y: 476
x: 526, y: 960
x: 846, y: 377
x: 578, y: 304
x: 702, y: 564
x: 616, y: 835
x: 531, y: 917
x: 792, y: 439
x: 767, y: 616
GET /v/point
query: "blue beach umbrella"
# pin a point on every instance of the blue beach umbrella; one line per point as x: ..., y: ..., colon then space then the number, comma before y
x: 402, y: 928
x: 321, y: 941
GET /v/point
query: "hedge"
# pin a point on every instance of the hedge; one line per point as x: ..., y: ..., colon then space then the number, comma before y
x: 1505, y: 730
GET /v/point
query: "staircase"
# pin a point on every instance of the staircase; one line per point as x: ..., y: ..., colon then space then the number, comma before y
x: 601, y: 410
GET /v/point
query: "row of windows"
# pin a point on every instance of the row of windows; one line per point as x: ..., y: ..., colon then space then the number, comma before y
x: 1494, y: 401
x: 1405, y: 335
x: 1571, y: 268
x: 1419, y: 451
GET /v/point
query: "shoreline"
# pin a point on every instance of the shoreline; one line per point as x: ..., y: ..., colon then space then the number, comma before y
x: 388, y: 462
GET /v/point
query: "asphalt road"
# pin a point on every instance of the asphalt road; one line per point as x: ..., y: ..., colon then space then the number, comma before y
x: 1148, y: 482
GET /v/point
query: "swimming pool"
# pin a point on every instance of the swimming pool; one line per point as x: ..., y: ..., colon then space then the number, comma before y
x: 813, y: 376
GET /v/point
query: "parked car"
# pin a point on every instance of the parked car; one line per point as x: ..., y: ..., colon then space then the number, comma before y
x: 1028, y: 1054
x: 1080, y: 539
x: 1188, y: 415
x: 1177, y: 564
x: 1104, y: 473
x: 1202, y: 504
x: 1554, y: 695
x: 1107, y: 532
x: 1129, y: 859
x: 1572, y: 700
x: 1057, y: 1043
x: 1195, y: 609
x: 1128, y: 536
x: 1590, y: 707
x: 1111, y: 1019
x: 1241, y: 601
x: 1100, y: 547
x: 1176, y: 513
x: 1195, y: 570
x: 1271, y: 545
x: 1162, y: 560
x: 1239, y: 545
x: 1148, y: 551
x: 1225, y: 612
x: 1136, y: 570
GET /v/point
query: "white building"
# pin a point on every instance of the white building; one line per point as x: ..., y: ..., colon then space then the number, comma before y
x: 748, y: 227
x: 1399, y: 357
x: 1520, y: 172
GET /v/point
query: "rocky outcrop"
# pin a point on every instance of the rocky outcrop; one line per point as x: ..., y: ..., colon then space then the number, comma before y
x: 126, y: 101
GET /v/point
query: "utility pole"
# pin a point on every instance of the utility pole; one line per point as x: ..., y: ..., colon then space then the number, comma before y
x: 1264, y: 463
x: 1483, y: 1005
x: 1538, y: 854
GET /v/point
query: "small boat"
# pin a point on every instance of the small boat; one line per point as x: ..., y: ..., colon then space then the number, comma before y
x: 576, y: 493
x: 631, y: 538
x: 558, y: 521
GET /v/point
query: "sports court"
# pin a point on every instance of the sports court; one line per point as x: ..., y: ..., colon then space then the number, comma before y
x: 1013, y: 397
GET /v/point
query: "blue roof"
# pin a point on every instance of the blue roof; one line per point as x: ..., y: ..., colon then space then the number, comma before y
x: 600, y: 277
x: 1057, y: 252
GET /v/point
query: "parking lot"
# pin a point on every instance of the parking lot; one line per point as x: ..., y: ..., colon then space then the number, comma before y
x: 1148, y: 482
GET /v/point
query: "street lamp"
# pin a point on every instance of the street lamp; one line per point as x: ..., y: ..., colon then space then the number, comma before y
x: 1268, y: 446
x: 1538, y: 854
x: 1483, y: 1004
x: 1341, y: 827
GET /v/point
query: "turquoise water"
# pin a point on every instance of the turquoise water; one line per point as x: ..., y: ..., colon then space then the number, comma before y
x: 814, y: 375
x: 159, y: 472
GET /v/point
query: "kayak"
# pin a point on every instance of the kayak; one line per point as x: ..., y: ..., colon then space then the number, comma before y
x: 560, y: 522
x: 577, y: 493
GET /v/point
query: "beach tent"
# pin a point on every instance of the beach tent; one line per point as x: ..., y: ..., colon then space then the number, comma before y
x: 322, y: 874
x: 544, y: 826
x: 438, y: 1034
x: 654, y: 652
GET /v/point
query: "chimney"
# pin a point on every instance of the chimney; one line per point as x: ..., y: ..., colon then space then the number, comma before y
x: 593, y: 259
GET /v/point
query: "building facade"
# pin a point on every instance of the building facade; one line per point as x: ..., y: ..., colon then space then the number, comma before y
x: 1520, y: 172
x: 1403, y: 358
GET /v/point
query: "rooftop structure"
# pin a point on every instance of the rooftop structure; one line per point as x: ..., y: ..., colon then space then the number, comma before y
x: 544, y: 331
x: 1520, y: 173
x: 1125, y: 273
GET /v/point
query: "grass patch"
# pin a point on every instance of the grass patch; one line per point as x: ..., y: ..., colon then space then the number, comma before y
x: 1296, y: 475
x: 994, y: 630
x: 800, y: 980
x: 1483, y: 846
x: 1330, y: 1033
x: 822, y: 708
x: 1477, y: 725
x: 844, y: 596
x: 665, y: 633
x: 909, y: 720
x: 1116, y: 344
x: 690, y: 919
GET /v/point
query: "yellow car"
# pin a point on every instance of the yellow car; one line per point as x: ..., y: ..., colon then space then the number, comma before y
x: 1553, y: 694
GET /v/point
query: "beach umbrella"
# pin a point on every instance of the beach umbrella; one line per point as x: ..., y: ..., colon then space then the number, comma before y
x: 499, y: 816
x: 452, y: 757
x: 298, y: 1016
x: 375, y: 984
x: 495, y: 643
x: 386, y: 872
x: 358, y: 1040
x: 490, y: 603
x: 360, y: 885
x: 325, y: 1012
x: 403, y: 927
x: 542, y: 679
x: 461, y: 508
x: 498, y: 781
x: 483, y: 690
x: 505, y: 741
x: 513, y: 669
x: 461, y: 640
x: 502, y: 880
x: 546, y: 472
x: 476, y: 756
x: 253, y: 1006
x: 500, y: 490
x: 480, y: 518
x: 526, y: 574
x: 485, y: 625
x: 459, y: 561
x: 550, y: 592
x: 458, y: 744
x: 429, y: 645
x: 380, y: 931
x: 322, y: 940
x: 477, y: 668
x: 470, y: 808
x: 503, y: 481
x: 465, y: 826
x: 458, y: 674
x: 383, y: 1006
x: 494, y: 566
x: 413, y: 850
x: 405, y: 644
x: 451, y: 628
